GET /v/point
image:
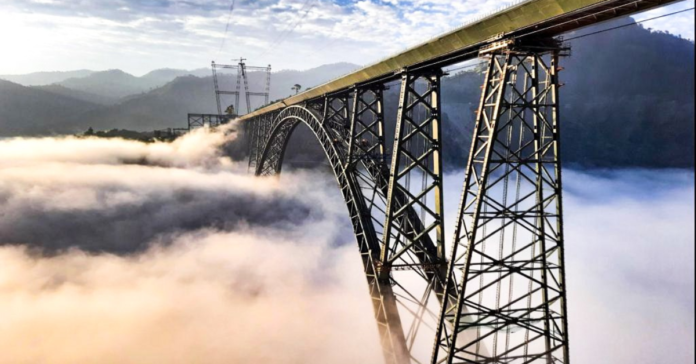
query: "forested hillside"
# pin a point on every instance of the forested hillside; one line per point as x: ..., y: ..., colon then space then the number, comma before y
x: 628, y: 101
x: 30, y: 111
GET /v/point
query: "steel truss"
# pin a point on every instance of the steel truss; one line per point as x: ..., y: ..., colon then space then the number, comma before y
x: 413, y: 242
x: 206, y: 120
x: 258, y: 130
x: 242, y: 79
x: 270, y: 163
x: 502, y: 300
x: 507, y: 256
x: 353, y: 125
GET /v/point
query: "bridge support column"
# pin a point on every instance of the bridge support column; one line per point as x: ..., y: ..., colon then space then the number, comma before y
x: 507, y: 256
x: 416, y: 153
x: 253, y: 140
x: 412, y: 251
x: 336, y: 114
x: 366, y: 128
x: 358, y: 132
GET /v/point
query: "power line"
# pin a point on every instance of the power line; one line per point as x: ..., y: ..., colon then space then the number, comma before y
x: 227, y: 27
x: 628, y: 25
x: 283, y: 36
x: 588, y: 34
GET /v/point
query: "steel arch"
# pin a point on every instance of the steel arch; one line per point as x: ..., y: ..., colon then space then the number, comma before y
x: 384, y: 301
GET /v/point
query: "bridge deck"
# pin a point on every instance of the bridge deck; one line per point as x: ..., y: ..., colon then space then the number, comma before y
x: 524, y: 20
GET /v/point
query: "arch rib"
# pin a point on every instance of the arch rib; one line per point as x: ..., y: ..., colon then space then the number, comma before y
x: 383, y: 299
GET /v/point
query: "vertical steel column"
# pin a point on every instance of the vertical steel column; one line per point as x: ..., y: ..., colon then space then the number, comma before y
x: 416, y: 149
x: 336, y: 115
x: 242, y: 69
x: 507, y: 256
x: 366, y: 151
x: 264, y: 128
x: 217, y: 88
x: 412, y: 250
x: 267, y: 90
x: 254, y: 132
x: 366, y: 142
x: 238, y: 90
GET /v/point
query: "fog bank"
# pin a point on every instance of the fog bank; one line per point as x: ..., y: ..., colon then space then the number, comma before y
x: 123, y: 252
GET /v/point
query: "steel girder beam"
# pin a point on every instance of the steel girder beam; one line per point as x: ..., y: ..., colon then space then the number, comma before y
x: 380, y: 288
x: 507, y: 256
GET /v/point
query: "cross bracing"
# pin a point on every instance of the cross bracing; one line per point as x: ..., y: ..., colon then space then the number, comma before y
x: 494, y: 292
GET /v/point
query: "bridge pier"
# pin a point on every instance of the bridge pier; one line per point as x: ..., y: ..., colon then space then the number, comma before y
x: 507, y: 254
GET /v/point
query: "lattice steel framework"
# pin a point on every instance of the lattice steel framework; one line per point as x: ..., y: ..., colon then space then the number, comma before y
x: 258, y: 130
x: 380, y: 288
x: 503, y: 298
x: 206, y: 120
x: 413, y: 242
x: 507, y: 257
x: 241, y: 79
x: 350, y: 127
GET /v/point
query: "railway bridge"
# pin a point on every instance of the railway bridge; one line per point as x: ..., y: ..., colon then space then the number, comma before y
x: 496, y: 293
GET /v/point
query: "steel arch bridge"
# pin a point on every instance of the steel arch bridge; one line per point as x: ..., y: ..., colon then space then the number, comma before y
x: 498, y: 293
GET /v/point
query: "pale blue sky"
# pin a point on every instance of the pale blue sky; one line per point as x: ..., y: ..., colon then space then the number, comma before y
x: 138, y: 36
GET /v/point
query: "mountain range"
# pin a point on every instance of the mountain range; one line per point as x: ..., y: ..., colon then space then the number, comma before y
x: 628, y: 100
x: 45, y: 78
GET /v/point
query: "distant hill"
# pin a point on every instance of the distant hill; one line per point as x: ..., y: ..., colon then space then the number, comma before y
x: 112, y: 84
x: 162, y: 76
x: 162, y: 107
x: 105, y: 87
x: 169, y: 105
x: 45, y: 78
x: 282, y: 82
x: 30, y: 111
x: 75, y: 94
x: 628, y: 101
x: 285, y: 79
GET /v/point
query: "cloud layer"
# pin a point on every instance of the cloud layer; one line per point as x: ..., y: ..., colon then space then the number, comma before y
x: 172, y: 253
x: 290, y: 34
x: 210, y: 297
x: 118, y: 195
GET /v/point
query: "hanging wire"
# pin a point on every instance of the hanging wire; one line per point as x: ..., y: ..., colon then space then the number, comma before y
x: 284, y: 35
x: 628, y: 25
x: 227, y: 26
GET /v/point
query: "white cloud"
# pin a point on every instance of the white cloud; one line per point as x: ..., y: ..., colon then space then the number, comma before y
x: 107, y: 34
x: 681, y: 24
x: 295, y: 292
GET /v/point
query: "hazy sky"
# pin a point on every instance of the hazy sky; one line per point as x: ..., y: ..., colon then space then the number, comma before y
x: 140, y: 35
